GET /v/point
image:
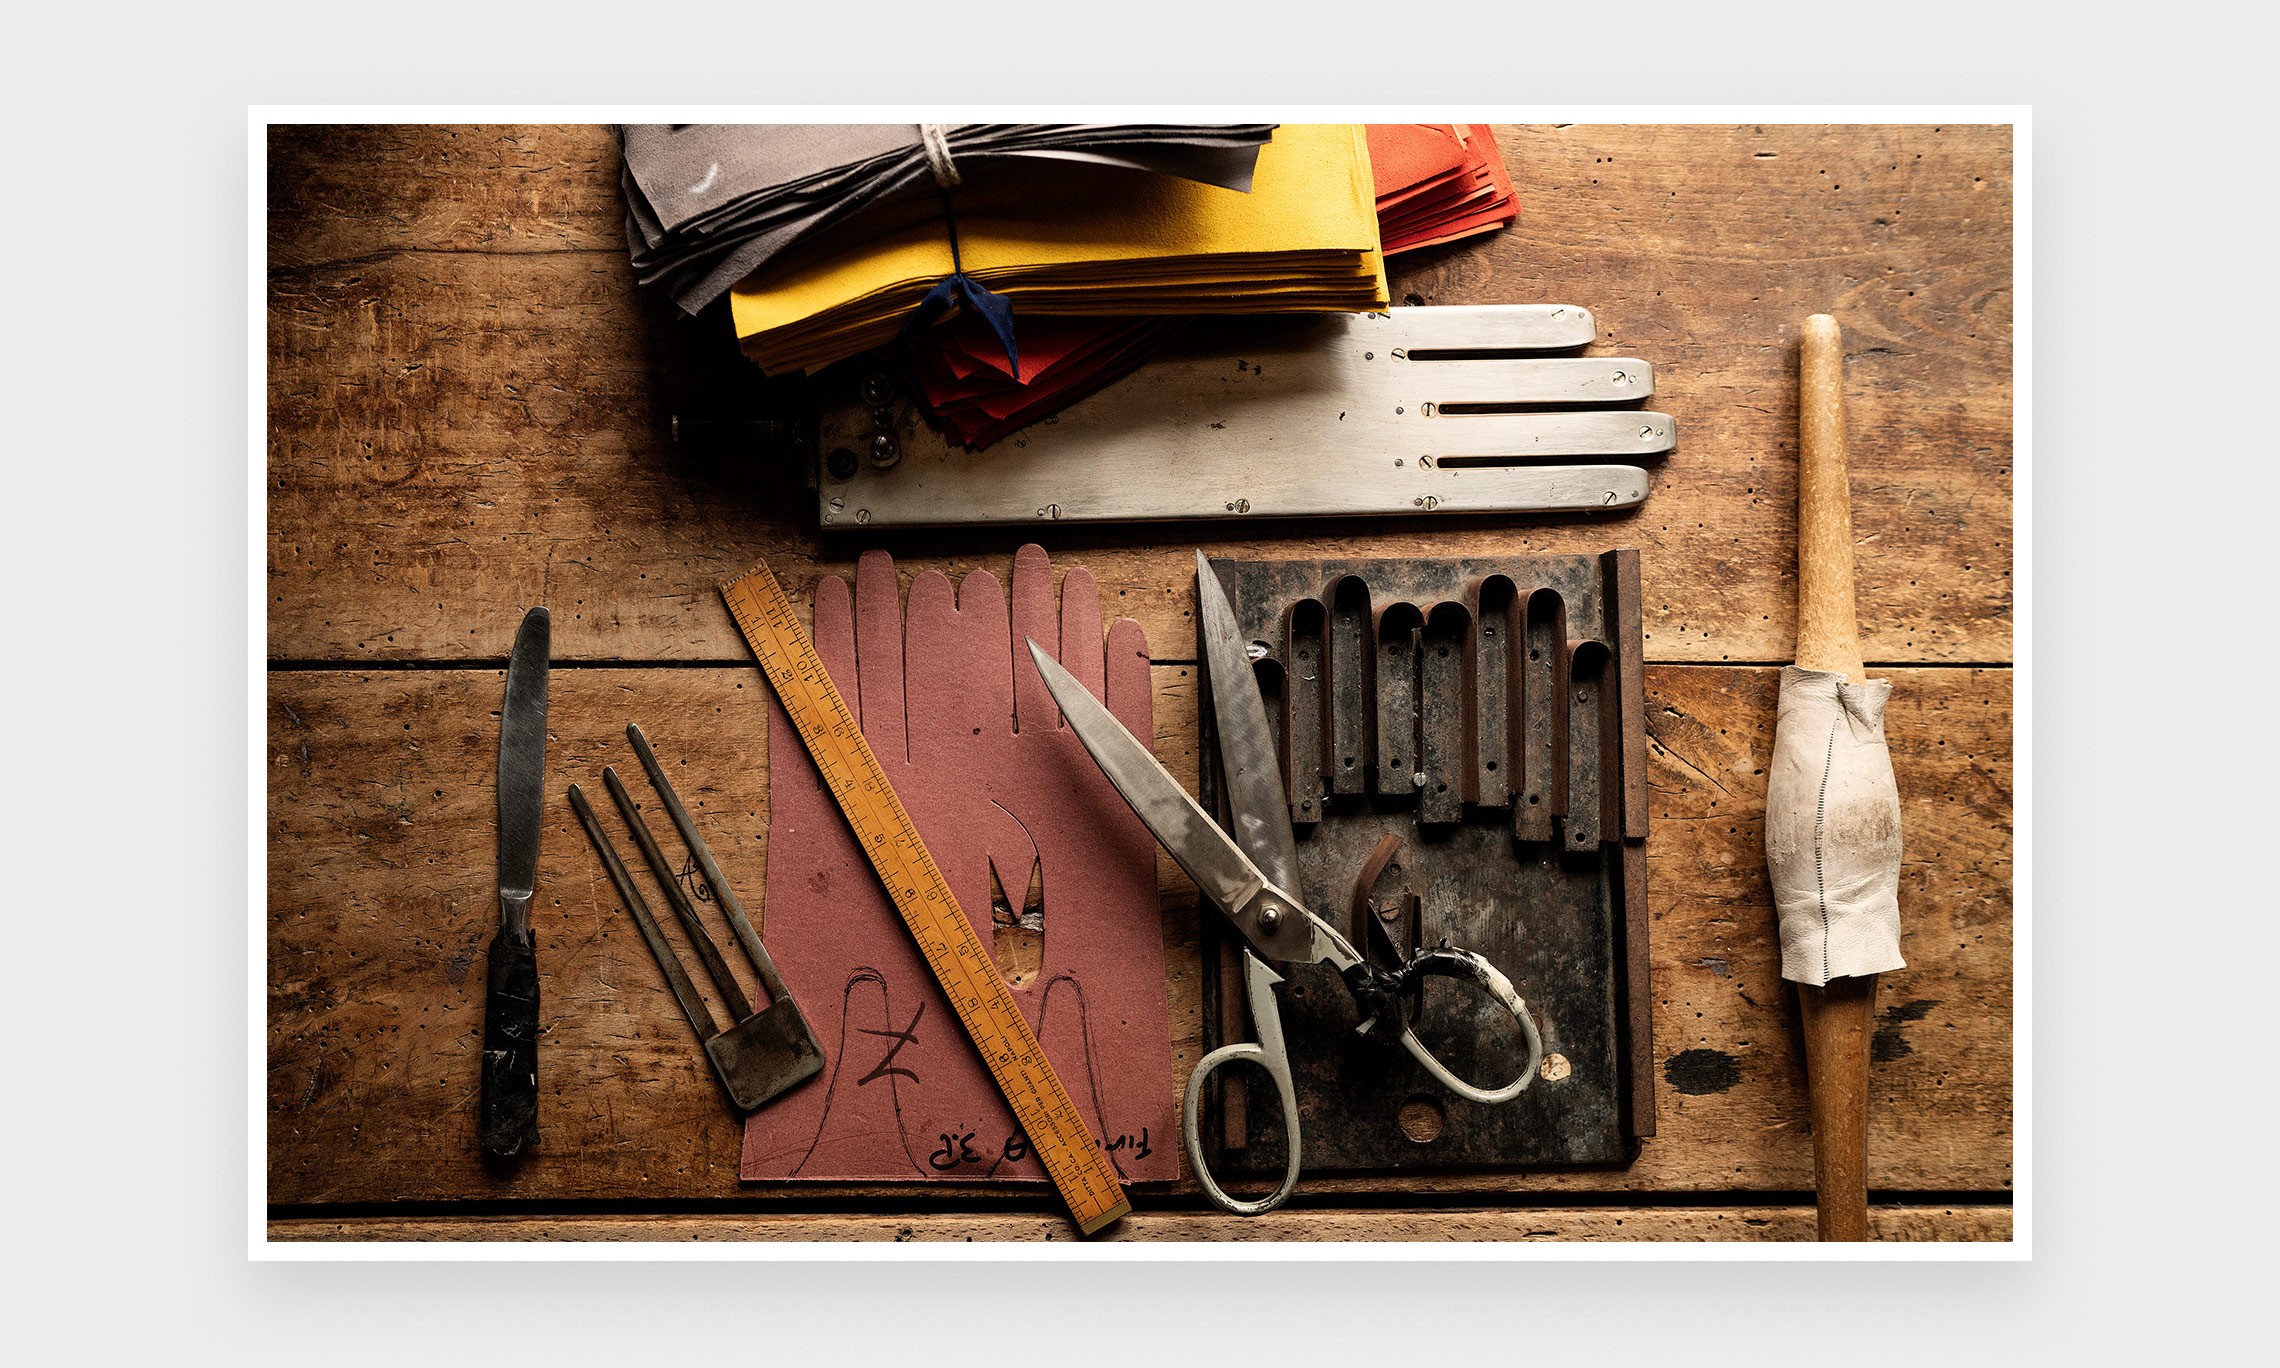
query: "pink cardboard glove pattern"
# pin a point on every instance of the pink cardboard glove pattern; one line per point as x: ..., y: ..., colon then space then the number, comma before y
x: 962, y: 723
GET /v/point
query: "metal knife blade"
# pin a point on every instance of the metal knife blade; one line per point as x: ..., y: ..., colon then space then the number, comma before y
x: 1211, y: 858
x: 510, y: 1000
x: 522, y: 769
x: 1255, y: 798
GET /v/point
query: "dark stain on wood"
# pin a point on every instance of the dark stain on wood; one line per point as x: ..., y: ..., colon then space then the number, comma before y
x: 1698, y: 1073
x: 1891, y: 1041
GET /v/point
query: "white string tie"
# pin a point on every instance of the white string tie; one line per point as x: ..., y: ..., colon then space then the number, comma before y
x: 935, y: 139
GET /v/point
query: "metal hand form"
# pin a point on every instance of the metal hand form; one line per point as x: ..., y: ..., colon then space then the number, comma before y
x: 1252, y: 877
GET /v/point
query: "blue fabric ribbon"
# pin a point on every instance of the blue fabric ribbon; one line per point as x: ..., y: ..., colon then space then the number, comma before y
x: 958, y: 287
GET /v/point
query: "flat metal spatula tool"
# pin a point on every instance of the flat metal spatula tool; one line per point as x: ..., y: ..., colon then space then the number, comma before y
x: 762, y: 1052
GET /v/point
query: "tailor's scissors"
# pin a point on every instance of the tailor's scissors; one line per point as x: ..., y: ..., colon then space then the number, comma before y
x: 1252, y: 876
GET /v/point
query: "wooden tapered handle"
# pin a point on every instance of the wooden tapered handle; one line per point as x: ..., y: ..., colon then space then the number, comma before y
x: 1837, y: 1020
x: 1828, y: 634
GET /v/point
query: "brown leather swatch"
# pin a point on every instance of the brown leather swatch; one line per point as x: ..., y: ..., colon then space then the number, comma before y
x: 970, y: 739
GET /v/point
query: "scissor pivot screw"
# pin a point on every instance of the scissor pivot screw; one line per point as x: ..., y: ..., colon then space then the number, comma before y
x: 1270, y: 917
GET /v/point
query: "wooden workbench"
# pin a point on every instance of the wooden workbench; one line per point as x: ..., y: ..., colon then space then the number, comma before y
x: 467, y: 416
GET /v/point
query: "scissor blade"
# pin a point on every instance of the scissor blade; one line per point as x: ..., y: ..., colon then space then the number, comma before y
x: 1255, y: 797
x: 1218, y: 866
x: 522, y: 758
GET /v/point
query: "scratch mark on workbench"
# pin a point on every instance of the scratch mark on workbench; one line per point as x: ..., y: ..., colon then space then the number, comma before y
x: 1691, y: 768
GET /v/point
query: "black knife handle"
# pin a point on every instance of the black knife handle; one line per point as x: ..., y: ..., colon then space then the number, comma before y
x: 510, y: 1047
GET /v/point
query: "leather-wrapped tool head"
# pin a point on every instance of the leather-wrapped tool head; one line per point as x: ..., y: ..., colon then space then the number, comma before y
x: 1832, y: 829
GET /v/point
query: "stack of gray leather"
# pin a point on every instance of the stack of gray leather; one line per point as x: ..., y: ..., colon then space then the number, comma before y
x: 708, y: 204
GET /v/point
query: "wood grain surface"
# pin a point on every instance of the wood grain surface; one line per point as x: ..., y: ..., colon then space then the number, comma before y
x: 1435, y: 1227
x: 469, y: 404
x: 381, y: 900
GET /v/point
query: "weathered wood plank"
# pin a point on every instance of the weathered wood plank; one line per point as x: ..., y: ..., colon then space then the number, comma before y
x: 380, y: 903
x: 466, y: 418
x: 1596, y: 1224
x: 340, y: 192
x: 1710, y: 247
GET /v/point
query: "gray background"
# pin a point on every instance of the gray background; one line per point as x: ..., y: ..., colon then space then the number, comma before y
x: 132, y: 567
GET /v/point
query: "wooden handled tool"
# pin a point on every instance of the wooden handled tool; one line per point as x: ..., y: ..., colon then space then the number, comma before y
x: 1828, y: 634
x: 1837, y: 1015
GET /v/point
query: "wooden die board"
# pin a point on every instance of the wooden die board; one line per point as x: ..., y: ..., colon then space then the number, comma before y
x: 1489, y: 713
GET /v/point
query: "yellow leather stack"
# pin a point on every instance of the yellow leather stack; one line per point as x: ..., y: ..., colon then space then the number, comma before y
x: 1069, y: 238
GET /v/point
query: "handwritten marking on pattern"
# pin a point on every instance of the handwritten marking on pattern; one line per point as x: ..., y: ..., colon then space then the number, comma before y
x: 957, y: 1152
x: 957, y: 1149
x: 906, y: 1036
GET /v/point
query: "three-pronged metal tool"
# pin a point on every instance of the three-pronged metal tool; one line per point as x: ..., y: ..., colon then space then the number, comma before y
x: 762, y: 1052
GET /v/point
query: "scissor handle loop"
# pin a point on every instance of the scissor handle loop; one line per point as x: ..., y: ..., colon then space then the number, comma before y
x: 1278, y: 1069
x: 1468, y: 967
x: 1269, y: 1054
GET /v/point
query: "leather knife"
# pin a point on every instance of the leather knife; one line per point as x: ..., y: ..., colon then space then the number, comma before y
x: 510, y: 1002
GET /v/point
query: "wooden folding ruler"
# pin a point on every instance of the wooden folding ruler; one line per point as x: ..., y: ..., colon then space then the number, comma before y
x: 961, y: 964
